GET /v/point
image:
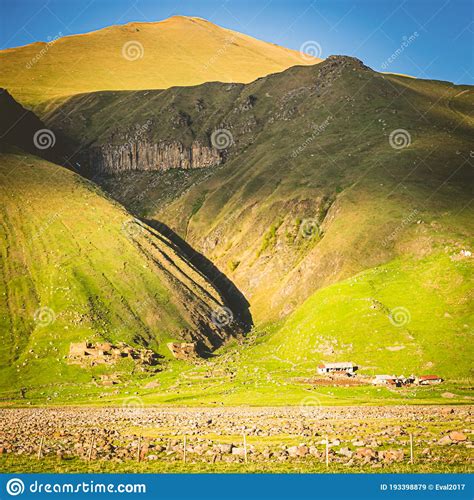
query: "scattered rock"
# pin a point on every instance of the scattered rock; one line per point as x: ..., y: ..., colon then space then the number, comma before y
x: 445, y: 441
x: 457, y: 436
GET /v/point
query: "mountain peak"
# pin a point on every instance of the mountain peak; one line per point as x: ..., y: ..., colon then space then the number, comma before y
x: 179, y: 51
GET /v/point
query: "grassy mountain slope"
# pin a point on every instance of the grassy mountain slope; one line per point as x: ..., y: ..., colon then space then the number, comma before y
x: 76, y: 266
x: 347, y: 245
x: 408, y: 316
x: 311, y: 190
x: 177, y: 51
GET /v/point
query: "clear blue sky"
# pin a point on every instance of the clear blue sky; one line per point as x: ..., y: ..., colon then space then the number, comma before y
x: 371, y: 30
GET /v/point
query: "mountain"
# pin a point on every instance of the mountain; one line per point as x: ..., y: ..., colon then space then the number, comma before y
x: 75, y: 266
x: 178, y: 51
x: 336, y: 198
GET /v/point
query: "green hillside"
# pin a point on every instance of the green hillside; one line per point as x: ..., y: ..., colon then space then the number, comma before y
x: 76, y: 266
x: 310, y: 190
x: 409, y: 316
x: 339, y: 205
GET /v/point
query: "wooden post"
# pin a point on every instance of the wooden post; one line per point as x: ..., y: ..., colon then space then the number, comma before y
x: 40, y: 449
x: 412, y: 457
x: 245, y: 447
x: 139, y: 449
x: 327, y: 451
x: 89, y: 455
x: 184, y: 449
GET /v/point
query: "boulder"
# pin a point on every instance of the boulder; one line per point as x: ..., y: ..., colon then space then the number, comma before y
x: 457, y: 436
x: 345, y: 452
x: 445, y: 441
x: 225, y: 448
x: 240, y: 452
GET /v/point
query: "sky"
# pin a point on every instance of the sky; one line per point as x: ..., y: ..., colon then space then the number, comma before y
x: 422, y: 38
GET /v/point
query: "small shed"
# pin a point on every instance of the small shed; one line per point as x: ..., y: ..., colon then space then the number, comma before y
x: 429, y: 380
x: 383, y: 379
x: 341, y: 367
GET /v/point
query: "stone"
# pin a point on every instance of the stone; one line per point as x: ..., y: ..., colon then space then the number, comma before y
x: 240, y: 452
x: 366, y: 453
x: 185, y: 351
x: 225, y: 448
x: 152, y: 385
x: 448, y: 395
x: 457, y: 436
x: 346, y: 452
x: 445, y: 441
x: 302, y: 450
x: 293, y: 451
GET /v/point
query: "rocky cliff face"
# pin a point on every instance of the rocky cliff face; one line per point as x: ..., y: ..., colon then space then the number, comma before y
x: 148, y: 155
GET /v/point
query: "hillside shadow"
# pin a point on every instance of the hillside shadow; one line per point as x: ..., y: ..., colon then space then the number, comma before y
x: 231, y: 295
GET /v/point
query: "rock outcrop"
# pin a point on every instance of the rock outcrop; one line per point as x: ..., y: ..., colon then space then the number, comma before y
x: 147, y: 155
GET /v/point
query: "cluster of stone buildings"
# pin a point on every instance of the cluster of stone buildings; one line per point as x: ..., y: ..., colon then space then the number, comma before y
x: 349, y: 369
x: 89, y: 354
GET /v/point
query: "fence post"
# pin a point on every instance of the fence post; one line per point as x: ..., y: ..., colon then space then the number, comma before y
x: 89, y: 455
x: 40, y: 449
x: 412, y: 457
x: 245, y: 447
x: 184, y: 449
x: 139, y: 449
x: 327, y: 451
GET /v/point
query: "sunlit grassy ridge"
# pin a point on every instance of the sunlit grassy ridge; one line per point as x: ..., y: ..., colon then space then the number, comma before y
x: 75, y: 266
x: 178, y: 51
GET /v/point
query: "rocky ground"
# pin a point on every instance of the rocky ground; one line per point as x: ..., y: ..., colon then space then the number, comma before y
x: 375, y: 437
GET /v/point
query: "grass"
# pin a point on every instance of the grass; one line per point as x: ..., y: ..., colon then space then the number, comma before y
x: 179, y: 51
x: 26, y: 465
x: 393, y: 226
x: 77, y: 267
